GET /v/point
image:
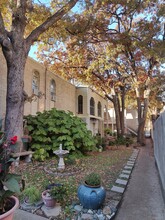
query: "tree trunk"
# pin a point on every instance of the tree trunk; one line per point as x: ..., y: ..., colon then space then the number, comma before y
x: 15, y: 49
x: 117, y: 113
x: 122, y: 122
x: 142, y: 115
x: 14, y: 97
x: 141, y: 137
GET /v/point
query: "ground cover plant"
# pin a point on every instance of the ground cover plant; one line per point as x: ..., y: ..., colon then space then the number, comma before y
x: 107, y: 164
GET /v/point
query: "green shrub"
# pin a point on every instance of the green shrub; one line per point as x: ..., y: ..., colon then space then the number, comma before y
x: 122, y: 140
x: 72, y: 158
x: 93, y: 179
x: 100, y: 141
x: 52, y: 128
x: 58, y: 193
x: 108, y: 131
x: 31, y: 194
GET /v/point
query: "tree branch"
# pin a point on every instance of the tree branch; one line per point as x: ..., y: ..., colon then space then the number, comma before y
x: 49, y: 22
x: 4, y: 41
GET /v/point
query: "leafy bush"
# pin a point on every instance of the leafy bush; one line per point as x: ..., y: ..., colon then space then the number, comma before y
x: 93, y: 179
x: 100, y: 141
x: 52, y: 128
x: 108, y: 131
x: 58, y: 192
x: 122, y: 140
x: 73, y: 158
x: 31, y: 194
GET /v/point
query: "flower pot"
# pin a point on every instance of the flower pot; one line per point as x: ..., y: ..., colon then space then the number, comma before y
x: 91, y: 197
x: 10, y: 214
x: 48, y: 200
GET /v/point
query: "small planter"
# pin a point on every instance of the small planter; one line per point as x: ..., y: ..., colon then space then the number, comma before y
x: 48, y: 200
x: 10, y: 214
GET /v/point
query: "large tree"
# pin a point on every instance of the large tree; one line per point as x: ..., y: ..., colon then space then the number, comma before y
x: 116, y: 47
x: 22, y: 22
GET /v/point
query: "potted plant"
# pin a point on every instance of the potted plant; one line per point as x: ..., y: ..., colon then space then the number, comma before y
x: 93, y: 180
x: 53, y: 195
x: 31, y: 195
x: 91, y: 194
x: 9, y: 182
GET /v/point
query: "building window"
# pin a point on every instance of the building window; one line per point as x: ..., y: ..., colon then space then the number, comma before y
x: 35, y: 83
x: 99, y: 109
x: 80, y: 104
x: 92, y: 106
x: 53, y: 90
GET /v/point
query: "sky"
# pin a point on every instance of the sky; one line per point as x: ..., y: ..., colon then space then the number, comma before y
x: 34, y: 47
x: 32, y: 50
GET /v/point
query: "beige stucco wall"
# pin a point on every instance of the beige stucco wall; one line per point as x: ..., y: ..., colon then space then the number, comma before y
x: 65, y: 91
x: 3, y: 79
x: 131, y: 119
x: 94, y: 122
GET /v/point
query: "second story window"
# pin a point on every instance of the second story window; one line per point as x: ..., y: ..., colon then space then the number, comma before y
x: 35, y: 83
x: 92, y: 106
x: 99, y: 109
x: 53, y: 90
x: 80, y: 104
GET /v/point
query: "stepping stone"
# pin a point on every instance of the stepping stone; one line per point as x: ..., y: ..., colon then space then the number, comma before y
x: 122, y: 182
x: 117, y: 189
x: 113, y: 203
x: 51, y: 212
x: 128, y: 168
x: 134, y: 155
x: 130, y: 164
x: 126, y: 171
x: 124, y: 176
x: 133, y: 159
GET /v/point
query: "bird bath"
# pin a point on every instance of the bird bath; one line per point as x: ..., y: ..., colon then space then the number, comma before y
x: 61, y: 153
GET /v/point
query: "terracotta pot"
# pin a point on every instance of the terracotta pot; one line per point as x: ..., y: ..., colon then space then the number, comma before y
x: 10, y: 214
x: 48, y: 200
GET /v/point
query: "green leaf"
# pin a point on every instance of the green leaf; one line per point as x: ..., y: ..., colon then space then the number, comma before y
x: 12, y: 185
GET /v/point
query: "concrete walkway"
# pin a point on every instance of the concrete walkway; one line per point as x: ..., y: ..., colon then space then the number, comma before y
x: 142, y: 199
x: 23, y: 215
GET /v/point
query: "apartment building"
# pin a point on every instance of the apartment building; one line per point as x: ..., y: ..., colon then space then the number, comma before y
x: 58, y: 93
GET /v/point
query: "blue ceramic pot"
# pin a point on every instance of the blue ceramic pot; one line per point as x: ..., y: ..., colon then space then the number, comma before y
x: 91, y: 197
